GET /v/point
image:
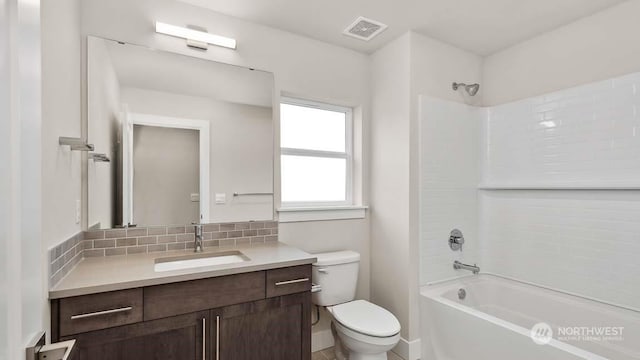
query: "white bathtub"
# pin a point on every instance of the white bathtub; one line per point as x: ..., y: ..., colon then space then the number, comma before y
x: 494, y: 322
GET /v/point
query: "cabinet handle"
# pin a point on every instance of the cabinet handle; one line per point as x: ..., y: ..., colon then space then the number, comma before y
x: 100, y: 313
x: 279, y: 283
x: 204, y: 338
x: 217, y: 337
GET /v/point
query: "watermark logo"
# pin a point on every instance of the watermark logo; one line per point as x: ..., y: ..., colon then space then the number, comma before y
x: 541, y: 333
x: 591, y: 333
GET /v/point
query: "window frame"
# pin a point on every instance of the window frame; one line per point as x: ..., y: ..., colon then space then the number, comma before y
x: 347, y: 155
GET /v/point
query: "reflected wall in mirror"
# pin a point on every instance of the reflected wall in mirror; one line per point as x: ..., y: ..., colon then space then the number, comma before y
x: 181, y: 135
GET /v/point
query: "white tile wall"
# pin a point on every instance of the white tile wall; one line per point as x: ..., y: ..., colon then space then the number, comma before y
x: 449, y: 141
x: 582, y: 241
x: 588, y: 135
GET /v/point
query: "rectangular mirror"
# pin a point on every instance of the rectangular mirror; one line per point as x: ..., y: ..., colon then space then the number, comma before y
x: 177, y: 139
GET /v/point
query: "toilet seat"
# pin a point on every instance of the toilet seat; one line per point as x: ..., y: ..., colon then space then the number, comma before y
x: 366, y: 318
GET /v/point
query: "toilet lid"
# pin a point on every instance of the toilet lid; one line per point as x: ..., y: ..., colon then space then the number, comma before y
x: 366, y: 318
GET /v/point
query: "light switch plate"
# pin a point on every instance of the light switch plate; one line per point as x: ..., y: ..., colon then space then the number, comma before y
x: 195, y: 197
x: 221, y: 198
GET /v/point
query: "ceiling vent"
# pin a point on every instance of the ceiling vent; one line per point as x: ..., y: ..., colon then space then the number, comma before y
x: 364, y: 29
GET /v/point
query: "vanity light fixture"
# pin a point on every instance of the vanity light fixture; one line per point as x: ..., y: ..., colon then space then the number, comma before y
x: 196, y: 37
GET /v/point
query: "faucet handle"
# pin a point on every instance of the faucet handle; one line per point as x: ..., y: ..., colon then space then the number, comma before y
x: 456, y: 239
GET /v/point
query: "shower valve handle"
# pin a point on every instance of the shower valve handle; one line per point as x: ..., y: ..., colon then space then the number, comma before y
x: 456, y: 239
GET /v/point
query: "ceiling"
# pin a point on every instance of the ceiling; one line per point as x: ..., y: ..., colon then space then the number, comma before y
x: 480, y: 26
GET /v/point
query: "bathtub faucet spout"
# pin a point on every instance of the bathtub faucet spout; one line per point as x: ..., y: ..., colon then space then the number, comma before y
x: 473, y: 268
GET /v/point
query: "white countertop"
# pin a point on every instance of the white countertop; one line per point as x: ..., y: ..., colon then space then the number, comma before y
x: 109, y: 273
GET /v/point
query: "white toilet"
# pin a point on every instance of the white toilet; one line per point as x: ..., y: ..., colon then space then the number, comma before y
x: 365, y: 331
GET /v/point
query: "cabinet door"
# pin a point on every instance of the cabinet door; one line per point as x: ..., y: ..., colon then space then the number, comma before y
x: 175, y: 338
x: 272, y: 329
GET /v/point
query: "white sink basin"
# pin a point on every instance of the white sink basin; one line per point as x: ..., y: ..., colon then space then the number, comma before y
x: 198, y: 260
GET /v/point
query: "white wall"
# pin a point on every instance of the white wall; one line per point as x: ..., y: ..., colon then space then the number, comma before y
x: 22, y: 308
x: 104, y: 110
x: 61, y: 117
x: 597, y: 47
x: 402, y: 71
x: 241, y: 148
x: 7, y: 303
x: 390, y: 135
x: 436, y: 65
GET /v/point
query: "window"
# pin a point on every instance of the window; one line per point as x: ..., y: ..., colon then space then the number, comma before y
x: 316, y: 154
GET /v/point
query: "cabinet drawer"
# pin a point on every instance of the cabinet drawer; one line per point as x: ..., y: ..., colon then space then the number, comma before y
x: 288, y: 280
x: 190, y: 296
x: 100, y: 311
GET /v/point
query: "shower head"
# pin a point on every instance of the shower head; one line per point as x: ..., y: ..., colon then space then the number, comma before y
x: 470, y: 89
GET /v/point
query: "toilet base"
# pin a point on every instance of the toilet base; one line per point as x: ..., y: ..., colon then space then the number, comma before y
x: 339, y: 350
x: 345, y: 353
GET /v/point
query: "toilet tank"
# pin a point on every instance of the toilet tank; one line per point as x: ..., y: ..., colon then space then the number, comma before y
x: 337, y: 274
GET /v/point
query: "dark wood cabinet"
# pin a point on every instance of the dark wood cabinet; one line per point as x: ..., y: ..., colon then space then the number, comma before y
x: 258, y: 316
x: 181, y: 337
x: 270, y: 329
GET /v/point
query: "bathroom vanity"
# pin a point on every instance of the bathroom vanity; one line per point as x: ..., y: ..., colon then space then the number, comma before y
x: 130, y: 287
x: 257, y: 309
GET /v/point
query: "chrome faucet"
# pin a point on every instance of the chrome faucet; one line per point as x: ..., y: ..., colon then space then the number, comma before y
x: 198, y: 237
x: 473, y: 268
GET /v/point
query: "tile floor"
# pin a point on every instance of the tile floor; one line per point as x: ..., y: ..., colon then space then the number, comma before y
x: 328, y: 354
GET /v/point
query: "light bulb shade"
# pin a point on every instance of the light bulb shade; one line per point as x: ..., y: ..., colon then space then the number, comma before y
x: 195, y: 35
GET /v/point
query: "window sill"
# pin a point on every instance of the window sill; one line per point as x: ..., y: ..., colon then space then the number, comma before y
x: 300, y: 214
